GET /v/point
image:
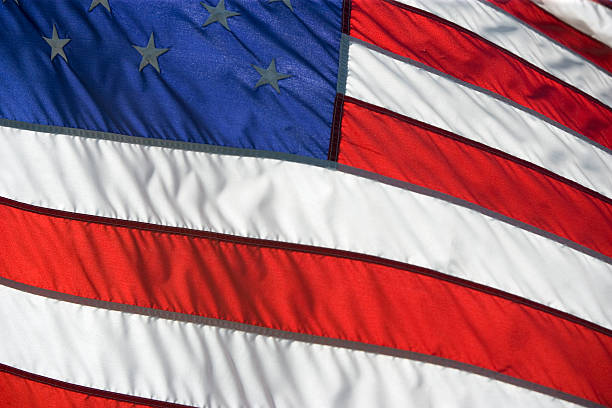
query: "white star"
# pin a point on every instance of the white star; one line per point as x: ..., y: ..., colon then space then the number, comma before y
x: 96, y: 3
x: 269, y: 76
x: 57, y: 44
x: 218, y: 14
x: 150, y: 54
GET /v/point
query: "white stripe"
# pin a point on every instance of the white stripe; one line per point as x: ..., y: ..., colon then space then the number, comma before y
x: 202, y: 365
x: 587, y: 16
x: 404, y: 88
x: 507, y: 32
x: 299, y: 203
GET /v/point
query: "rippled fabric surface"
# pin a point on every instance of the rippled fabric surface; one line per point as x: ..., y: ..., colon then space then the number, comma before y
x: 205, y: 90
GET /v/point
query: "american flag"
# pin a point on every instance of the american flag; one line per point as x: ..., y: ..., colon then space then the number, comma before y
x: 300, y: 203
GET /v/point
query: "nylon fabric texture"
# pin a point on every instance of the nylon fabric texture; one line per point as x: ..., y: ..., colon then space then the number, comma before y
x: 305, y: 203
x: 206, y: 69
x: 304, y: 291
x: 443, y: 162
x: 474, y: 115
x: 95, y: 349
x: 19, y: 392
x: 516, y: 37
x: 258, y: 198
x: 587, y: 16
x: 541, y: 20
x: 467, y: 57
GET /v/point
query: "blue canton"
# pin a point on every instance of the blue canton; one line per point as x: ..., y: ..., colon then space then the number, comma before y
x: 253, y: 74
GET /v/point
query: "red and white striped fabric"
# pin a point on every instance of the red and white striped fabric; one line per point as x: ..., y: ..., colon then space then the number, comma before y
x: 456, y: 249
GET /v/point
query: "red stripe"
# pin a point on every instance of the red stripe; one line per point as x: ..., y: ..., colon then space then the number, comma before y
x: 541, y: 20
x: 261, y: 243
x: 404, y: 149
x: 20, y: 389
x: 463, y: 55
x: 305, y: 293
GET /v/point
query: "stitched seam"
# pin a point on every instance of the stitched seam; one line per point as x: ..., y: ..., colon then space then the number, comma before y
x: 490, y: 4
x: 484, y: 91
x: 262, y: 243
x: 334, y: 142
x: 346, y: 16
x: 370, y: 176
x: 163, y: 143
x: 480, y: 146
x: 306, y: 338
x: 505, y: 51
x: 88, y: 390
